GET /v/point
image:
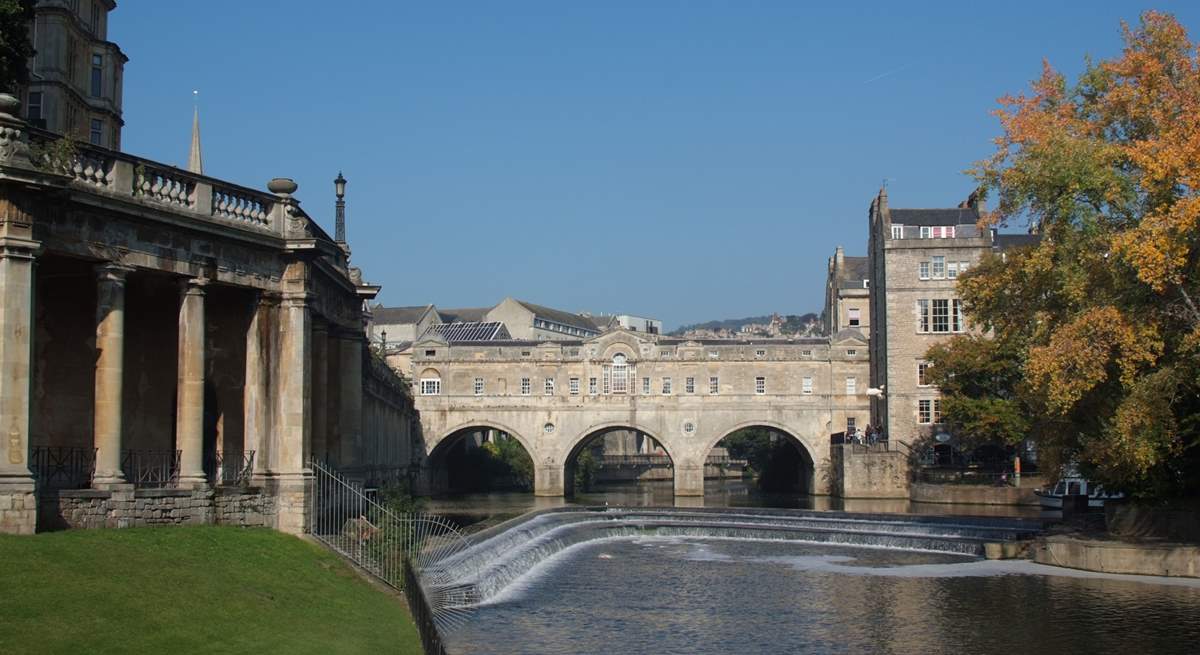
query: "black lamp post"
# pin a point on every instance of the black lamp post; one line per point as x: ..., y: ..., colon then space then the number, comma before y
x: 383, y: 339
x: 339, y: 186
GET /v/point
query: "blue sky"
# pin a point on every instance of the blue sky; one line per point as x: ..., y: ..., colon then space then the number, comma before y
x: 683, y: 160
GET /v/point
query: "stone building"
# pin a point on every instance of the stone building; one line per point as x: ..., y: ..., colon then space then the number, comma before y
x: 847, y: 294
x: 555, y: 397
x: 915, y: 257
x: 176, y: 348
x: 76, y: 75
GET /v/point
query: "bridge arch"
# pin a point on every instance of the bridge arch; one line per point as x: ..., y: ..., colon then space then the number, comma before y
x: 458, y: 460
x: 719, y: 435
x: 588, y: 435
x: 780, y: 468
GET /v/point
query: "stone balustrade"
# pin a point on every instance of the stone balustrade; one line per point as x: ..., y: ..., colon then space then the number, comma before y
x: 164, y: 186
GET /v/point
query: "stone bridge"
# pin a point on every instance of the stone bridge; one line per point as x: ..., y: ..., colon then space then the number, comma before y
x: 553, y: 397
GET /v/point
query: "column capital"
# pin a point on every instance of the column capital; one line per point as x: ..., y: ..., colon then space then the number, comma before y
x: 296, y: 298
x: 193, y: 286
x: 112, y: 272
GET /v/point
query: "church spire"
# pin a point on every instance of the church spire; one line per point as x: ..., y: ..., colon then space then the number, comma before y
x: 195, y: 161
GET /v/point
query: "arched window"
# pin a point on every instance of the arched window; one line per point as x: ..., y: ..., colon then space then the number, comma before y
x: 620, y: 374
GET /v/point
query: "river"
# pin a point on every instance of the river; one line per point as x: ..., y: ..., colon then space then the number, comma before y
x: 737, y: 592
x: 697, y: 596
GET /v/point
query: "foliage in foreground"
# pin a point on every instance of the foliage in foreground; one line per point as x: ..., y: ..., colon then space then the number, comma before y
x: 190, y: 590
x: 1101, y: 318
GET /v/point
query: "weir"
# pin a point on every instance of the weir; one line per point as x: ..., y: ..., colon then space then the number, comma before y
x: 497, y: 557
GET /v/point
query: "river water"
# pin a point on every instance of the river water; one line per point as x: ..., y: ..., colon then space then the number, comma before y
x: 677, y: 595
x: 691, y: 593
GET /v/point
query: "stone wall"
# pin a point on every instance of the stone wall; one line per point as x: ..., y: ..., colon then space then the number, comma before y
x: 972, y: 494
x: 17, y: 510
x: 123, y: 507
x: 868, y: 473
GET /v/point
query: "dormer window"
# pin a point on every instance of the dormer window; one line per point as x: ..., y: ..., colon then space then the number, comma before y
x: 897, y: 231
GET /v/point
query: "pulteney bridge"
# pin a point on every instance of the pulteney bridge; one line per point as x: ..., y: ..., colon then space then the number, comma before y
x: 555, y: 397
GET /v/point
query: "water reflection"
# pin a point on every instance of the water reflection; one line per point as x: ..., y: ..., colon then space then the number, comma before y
x: 490, y: 508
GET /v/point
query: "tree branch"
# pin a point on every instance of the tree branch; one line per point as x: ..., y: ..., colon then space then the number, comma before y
x: 1191, y: 306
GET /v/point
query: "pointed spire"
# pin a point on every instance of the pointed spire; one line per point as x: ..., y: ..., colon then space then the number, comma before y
x: 195, y: 161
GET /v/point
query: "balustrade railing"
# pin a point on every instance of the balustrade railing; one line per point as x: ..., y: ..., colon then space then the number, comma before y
x: 230, y: 469
x: 143, y: 180
x: 242, y: 207
x: 57, y: 467
x: 151, y: 468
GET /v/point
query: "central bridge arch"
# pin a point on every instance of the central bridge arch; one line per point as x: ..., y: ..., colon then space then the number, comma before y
x: 588, y: 436
x: 789, y: 466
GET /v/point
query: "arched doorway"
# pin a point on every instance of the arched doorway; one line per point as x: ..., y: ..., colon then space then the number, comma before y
x: 619, y: 464
x: 480, y: 459
x: 768, y: 458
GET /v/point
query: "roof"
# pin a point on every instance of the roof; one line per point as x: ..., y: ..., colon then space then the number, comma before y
x: 559, y: 316
x: 464, y: 314
x: 398, y: 315
x: 1006, y: 241
x: 952, y: 216
x: 854, y: 271
x: 808, y: 341
x: 473, y: 331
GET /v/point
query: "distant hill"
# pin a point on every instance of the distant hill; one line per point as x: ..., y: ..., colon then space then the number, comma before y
x: 793, y: 323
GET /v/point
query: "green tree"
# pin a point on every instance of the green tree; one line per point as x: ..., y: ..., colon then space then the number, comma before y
x: 15, y: 46
x: 1104, y: 309
x: 980, y: 381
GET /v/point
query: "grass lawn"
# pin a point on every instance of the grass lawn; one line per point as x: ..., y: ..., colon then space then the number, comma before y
x: 189, y: 590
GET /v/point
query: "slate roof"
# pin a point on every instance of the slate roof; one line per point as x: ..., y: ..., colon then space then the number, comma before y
x: 559, y: 316
x: 398, y: 315
x: 464, y: 314
x: 951, y: 216
x: 1006, y: 241
x: 854, y: 271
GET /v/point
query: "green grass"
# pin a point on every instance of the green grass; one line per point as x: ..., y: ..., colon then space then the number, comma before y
x: 190, y: 590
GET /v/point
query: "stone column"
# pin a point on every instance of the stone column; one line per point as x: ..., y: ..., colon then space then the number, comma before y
x: 257, y: 399
x: 290, y: 477
x: 333, y: 400
x: 18, y: 507
x: 108, y: 428
x: 350, y: 389
x: 189, y: 406
x: 320, y: 388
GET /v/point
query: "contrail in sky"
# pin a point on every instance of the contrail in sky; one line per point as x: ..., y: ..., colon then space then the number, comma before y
x: 883, y: 75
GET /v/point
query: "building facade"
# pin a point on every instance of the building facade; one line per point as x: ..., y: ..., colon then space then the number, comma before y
x: 76, y: 74
x: 847, y: 294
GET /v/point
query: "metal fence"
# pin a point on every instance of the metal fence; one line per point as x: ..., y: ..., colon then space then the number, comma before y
x: 151, y: 468
x: 58, y: 467
x: 380, y: 541
x: 230, y: 469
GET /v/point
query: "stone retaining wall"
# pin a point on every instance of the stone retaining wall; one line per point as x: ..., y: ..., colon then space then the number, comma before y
x: 972, y: 494
x: 123, y: 506
x: 868, y: 474
x: 1119, y: 557
x: 18, y: 507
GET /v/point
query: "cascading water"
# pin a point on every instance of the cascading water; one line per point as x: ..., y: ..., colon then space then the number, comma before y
x: 496, y: 558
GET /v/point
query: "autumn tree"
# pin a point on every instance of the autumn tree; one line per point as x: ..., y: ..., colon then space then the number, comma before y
x: 1104, y: 310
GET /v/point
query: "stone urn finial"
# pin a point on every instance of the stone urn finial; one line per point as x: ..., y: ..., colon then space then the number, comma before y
x: 282, y: 186
x: 10, y: 106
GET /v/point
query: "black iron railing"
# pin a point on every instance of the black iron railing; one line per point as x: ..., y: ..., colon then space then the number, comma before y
x: 229, y: 469
x: 59, y: 467
x: 151, y: 468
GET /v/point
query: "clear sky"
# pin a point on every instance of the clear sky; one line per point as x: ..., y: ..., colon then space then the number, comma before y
x: 682, y: 160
